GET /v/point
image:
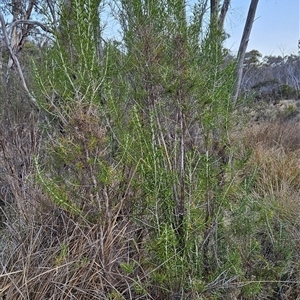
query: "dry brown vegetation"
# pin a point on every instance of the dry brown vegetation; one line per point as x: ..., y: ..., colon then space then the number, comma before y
x: 273, y: 151
x: 276, y: 160
x: 47, y: 253
x: 56, y: 257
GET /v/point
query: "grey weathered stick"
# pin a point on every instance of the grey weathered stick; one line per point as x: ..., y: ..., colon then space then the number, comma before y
x: 15, y: 58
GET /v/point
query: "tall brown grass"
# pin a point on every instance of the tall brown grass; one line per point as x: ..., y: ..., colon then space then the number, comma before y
x: 276, y: 161
x: 60, y: 258
x: 266, y: 207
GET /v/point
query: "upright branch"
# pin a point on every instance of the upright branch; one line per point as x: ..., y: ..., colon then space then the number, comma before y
x: 243, y: 47
x: 77, y: 16
x: 181, y: 55
x: 218, y: 12
x: 214, y: 7
x: 223, y: 13
x: 19, y: 30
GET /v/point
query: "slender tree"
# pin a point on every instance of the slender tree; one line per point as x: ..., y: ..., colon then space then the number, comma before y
x: 243, y: 47
x: 218, y: 11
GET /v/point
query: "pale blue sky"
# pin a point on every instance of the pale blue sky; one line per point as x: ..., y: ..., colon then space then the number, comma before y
x: 275, y: 30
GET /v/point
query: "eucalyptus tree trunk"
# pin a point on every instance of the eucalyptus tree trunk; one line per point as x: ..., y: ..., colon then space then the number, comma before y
x: 16, y: 34
x: 243, y: 47
x: 214, y: 7
x: 218, y: 12
x: 223, y: 13
x: 15, y: 37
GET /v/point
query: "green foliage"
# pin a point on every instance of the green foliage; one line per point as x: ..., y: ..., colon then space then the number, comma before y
x: 71, y: 72
x: 139, y: 150
x: 172, y: 74
x: 287, y: 92
x: 252, y: 58
x: 167, y: 106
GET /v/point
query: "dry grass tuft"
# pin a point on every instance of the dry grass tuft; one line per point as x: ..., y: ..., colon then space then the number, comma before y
x: 62, y: 258
x: 276, y: 161
x: 279, y: 135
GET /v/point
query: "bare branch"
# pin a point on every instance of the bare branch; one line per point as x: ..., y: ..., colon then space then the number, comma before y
x: 15, y: 58
x: 52, y: 11
x: 33, y: 23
